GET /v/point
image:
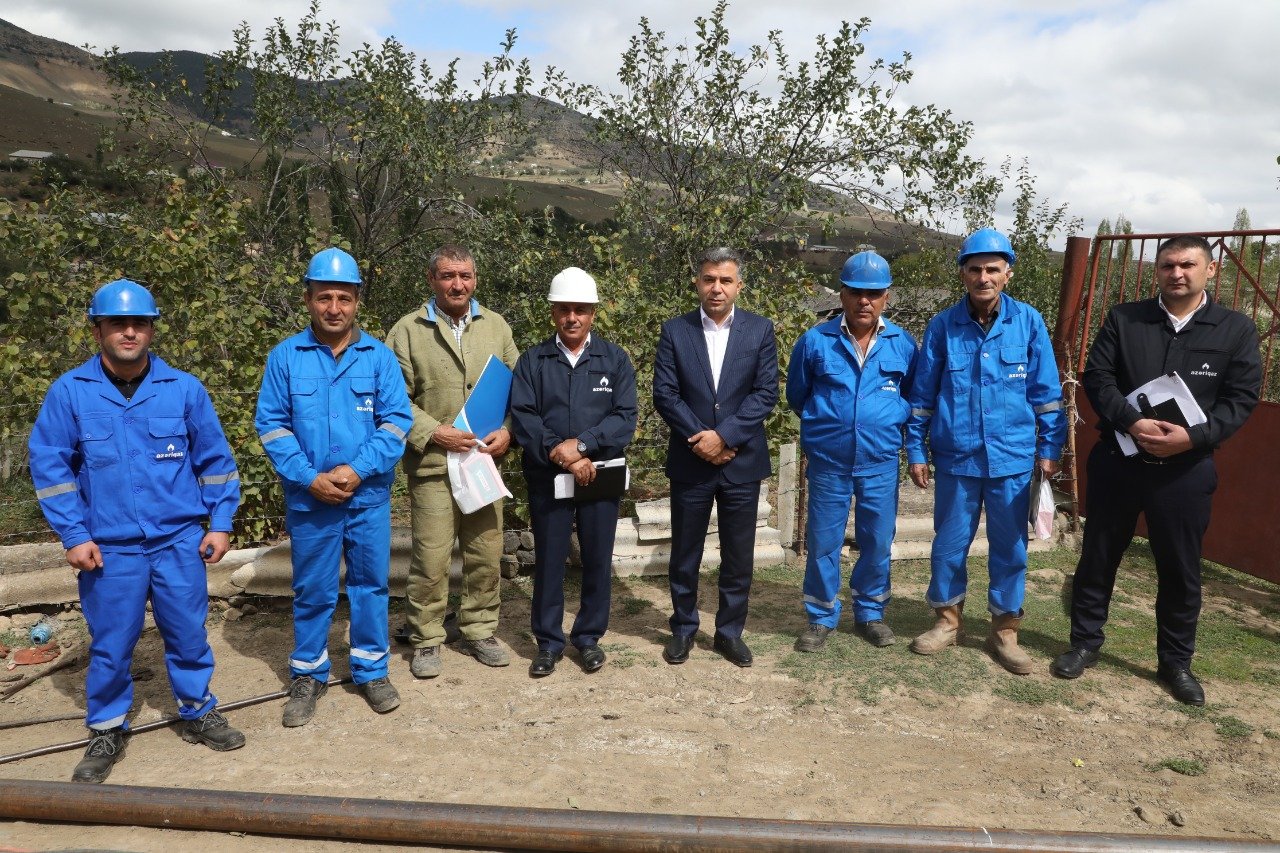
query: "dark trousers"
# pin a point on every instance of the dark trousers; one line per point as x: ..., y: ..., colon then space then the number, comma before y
x: 552, y: 522
x: 1176, y: 498
x: 736, y: 505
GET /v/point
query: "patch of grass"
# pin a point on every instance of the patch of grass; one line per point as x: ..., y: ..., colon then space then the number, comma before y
x: 630, y: 605
x: 1270, y: 734
x: 624, y: 657
x: 1025, y: 691
x: 1231, y: 727
x: 1185, y: 766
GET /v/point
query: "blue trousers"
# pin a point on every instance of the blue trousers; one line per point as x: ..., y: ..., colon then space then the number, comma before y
x: 736, y: 506
x: 552, y: 522
x: 875, y: 518
x: 956, y: 506
x: 114, y: 601
x: 361, y: 537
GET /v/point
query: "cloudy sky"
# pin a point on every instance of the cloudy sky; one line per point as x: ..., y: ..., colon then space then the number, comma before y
x: 1166, y: 111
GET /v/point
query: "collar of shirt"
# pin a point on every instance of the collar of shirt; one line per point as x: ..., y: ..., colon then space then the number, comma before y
x: 1180, y: 323
x: 857, y: 351
x: 709, y: 325
x: 569, y: 354
x: 473, y: 311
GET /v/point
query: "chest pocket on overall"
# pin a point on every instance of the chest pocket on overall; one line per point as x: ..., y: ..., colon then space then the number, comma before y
x: 168, y: 440
x: 97, y: 442
x: 363, y: 399
x: 1014, y: 365
x: 304, y: 402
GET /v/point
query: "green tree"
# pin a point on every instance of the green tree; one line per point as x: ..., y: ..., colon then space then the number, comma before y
x: 378, y: 134
x: 708, y: 157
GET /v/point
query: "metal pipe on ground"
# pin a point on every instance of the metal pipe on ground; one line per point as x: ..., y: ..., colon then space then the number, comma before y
x: 146, y: 727
x: 514, y: 828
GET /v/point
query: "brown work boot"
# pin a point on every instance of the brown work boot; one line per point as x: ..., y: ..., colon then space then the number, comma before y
x: 1003, y: 643
x: 945, y: 632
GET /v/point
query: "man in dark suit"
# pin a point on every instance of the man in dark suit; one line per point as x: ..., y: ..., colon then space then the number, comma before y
x: 715, y: 380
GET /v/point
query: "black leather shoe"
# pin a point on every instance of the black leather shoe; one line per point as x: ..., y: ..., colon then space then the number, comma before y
x: 677, y: 649
x: 734, y: 650
x: 592, y: 658
x: 1073, y: 662
x: 106, y: 747
x: 544, y: 663
x: 1182, y: 684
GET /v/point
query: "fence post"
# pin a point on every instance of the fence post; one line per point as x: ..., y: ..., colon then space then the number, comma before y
x: 787, y: 471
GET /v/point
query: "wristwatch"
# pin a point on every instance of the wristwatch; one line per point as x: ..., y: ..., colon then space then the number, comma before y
x: 582, y: 446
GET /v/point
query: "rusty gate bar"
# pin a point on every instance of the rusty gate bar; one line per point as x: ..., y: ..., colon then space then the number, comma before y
x: 517, y: 828
x: 1241, y: 535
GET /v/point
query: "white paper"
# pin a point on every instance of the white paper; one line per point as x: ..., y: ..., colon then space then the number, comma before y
x: 564, y: 482
x: 474, y: 480
x: 1158, y: 390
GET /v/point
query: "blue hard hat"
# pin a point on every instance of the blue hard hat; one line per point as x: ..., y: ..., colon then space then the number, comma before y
x: 866, y: 270
x: 987, y: 241
x: 123, y: 298
x: 334, y: 265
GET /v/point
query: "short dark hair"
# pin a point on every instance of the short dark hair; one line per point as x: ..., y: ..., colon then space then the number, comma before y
x: 449, y: 252
x: 1186, y: 241
x: 718, y: 255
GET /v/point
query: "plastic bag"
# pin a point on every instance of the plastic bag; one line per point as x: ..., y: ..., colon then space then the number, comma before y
x: 474, y: 480
x: 1042, y: 506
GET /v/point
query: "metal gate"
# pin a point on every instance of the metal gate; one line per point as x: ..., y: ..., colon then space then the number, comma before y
x: 1109, y: 269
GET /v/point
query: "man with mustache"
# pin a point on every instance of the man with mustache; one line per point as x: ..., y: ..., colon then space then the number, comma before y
x: 848, y: 381
x: 332, y: 416
x: 573, y: 404
x: 988, y: 400
x: 443, y: 348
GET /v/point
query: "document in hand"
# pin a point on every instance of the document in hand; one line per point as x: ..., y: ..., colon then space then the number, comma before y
x: 1165, y: 398
x: 486, y: 405
x: 613, y: 478
x: 474, y: 480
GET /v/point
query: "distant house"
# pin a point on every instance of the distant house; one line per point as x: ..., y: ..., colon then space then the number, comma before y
x: 26, y: 154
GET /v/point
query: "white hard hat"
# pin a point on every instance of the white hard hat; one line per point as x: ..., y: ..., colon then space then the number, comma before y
x: 573, y: 285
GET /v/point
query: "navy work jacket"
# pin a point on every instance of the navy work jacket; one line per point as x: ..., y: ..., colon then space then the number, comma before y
x: 594, y: 402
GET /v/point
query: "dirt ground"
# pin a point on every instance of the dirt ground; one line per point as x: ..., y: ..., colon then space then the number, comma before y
x: 924, y: 741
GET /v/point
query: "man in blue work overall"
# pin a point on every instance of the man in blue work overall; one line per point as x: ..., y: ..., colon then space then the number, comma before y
x: 987, y: 396
x: 848, y: 380
x: 129, y: 461
x: 333, y: 415
x: 573, y: 403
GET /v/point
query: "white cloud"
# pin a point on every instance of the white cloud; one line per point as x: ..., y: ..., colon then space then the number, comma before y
x: 1161, y: 109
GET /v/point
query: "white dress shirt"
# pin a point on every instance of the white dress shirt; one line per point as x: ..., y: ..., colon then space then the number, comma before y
x: 857, y: 351
x: 717, y: 342
x: 572, y: 356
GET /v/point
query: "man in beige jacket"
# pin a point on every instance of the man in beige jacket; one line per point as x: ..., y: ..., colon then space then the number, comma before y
x: 443, y: 347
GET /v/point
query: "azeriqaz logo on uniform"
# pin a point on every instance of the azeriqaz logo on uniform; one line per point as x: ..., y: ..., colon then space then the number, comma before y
x: 1206, y: 369
x: 367, y: 406
x: 170, y: 452
x: 604, y: 385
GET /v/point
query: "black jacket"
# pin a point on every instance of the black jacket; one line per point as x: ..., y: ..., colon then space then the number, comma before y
x: 1216, y: 354
x: 594, y: 401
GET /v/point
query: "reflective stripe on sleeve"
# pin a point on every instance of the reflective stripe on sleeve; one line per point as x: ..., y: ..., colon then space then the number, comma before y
x: 1048, y: 407
x: 274, y: 434
x: 51, y: 491
x: 219, y: 479
x: 394, y: 430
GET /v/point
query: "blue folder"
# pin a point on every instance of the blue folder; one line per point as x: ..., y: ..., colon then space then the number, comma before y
x: 486, y: 406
